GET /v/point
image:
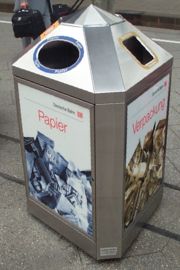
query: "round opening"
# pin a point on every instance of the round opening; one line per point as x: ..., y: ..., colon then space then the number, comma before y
x: 58, y: 54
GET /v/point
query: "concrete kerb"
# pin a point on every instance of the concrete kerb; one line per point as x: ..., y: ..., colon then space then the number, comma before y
x: 151, y: 19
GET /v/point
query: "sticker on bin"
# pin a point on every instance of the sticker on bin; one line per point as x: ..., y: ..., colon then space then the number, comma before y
x: 49, y: 30
x: 109, y: 251
x: 59, y: 170
x: 145, y: 149
x: 58, y: 54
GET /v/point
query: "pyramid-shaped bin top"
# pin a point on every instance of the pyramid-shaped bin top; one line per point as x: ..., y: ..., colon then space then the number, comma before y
x: 93, y: 51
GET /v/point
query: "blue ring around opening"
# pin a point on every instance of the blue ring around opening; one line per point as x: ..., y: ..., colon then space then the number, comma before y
x: 73, y: 41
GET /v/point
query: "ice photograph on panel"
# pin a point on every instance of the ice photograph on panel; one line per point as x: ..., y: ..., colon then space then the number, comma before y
x: 57, y: 183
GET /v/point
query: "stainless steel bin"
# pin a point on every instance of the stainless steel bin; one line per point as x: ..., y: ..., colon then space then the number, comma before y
x: 92, y: 97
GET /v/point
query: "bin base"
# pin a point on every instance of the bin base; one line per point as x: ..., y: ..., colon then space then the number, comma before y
x: 135, y: 228
x: 59, y: 225
x: 84, y: 242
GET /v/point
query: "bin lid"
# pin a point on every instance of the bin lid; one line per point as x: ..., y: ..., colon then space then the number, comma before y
x: 93, y: 51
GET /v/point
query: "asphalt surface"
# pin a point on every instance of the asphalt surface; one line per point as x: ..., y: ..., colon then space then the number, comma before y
x: 26, y: 243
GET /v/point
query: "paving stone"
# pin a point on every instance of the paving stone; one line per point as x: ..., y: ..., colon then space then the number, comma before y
x: 176, y: 75
x: 154, y: 261
x: 8, y: 121
x: 172, y: 252
x: 160, y: 33
x: 175, y: 84
x: 174, y: 117
x: 176, y: 61
x: 26, y: 243
x: 6, y: 89
x: 146, y: 243
x: 167, y: 215
x: 9, y: 51
x: 176, y: 130
x: 173, y: 141
x: 5, y: 74
x: 172, y: 175
x: 175, y: 101
x: 10, y: 159
x: 171, y: 47
x: 2, y: 180
x: 4, y: 66
x: 176, y: 53
x: 174, y: 156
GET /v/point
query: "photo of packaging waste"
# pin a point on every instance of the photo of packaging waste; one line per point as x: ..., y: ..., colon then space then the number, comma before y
x: 145, y: 149
x: 58, y: 155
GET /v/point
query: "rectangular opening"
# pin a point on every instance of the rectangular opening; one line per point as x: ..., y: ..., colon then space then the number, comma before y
x: 136, y: 47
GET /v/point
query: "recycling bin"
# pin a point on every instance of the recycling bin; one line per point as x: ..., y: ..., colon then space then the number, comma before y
x: 92, y: 99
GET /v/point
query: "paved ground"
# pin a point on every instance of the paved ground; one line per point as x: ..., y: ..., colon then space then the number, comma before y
x: 26, y: 243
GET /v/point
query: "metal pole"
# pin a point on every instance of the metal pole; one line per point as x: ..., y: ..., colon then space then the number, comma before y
x: 105, y: 4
